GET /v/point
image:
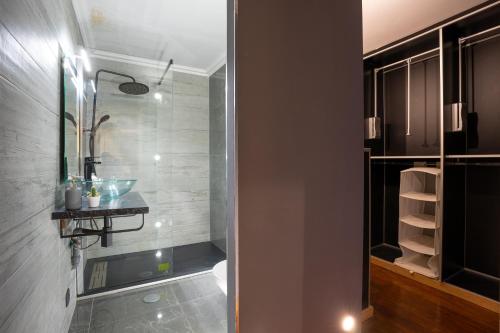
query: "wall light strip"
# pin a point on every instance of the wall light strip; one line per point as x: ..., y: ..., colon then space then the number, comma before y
x: 85, y: 60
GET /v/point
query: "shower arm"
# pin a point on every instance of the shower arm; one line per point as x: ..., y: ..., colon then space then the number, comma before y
x: 96, y: 81
x: 170, y: 63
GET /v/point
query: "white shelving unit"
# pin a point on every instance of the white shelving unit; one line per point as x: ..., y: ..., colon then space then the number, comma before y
x: 424, y: 221
x: 419, y: 220
x: 420, y: 196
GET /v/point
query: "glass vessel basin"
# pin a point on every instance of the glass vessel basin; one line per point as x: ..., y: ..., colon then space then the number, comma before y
x: 108, y: 188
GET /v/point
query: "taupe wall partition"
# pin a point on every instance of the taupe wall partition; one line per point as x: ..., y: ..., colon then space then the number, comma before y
x: 300, y: 164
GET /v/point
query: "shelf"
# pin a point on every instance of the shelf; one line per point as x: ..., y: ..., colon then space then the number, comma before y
x: 481, y: 284
x: 431, y: 171
x: 404, y: 157
x: 430, y: 197
x: 424, y: 221
x: 474, y: 156
x: 416, y: 263
x: 420, y: 243
x: 129, y: 204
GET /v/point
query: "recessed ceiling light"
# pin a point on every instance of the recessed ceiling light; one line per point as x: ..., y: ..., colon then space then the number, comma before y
x: 157, y: 96
x: 158, y: 254
x: 157, y: 157
x: 158, y: 224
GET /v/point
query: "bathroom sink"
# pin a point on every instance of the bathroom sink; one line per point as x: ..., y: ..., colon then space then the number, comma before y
x: 110, y: 189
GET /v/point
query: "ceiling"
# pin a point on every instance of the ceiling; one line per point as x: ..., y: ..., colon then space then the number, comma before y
x: 385, y: 21
x: 192, y: 33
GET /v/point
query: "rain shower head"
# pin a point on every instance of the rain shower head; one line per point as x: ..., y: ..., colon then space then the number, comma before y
x: 130, y: 88
x: 133, y: 88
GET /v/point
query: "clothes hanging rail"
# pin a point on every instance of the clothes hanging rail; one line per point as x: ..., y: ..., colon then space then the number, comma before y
x: 405, y: 61
x: 412, y: 62
x: 405, y: 162
x: 462, y: 43
x: 469, y: 163
x: 463, y: 40
x: 405, y: 157
x: 474, y: 156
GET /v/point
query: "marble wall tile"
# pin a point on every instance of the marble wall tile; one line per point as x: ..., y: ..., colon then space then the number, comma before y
x: 27, y: 22
x: 218, y: 191
x: 35, y: 267
x: 189, y: 212
x: 190, y: 165
x: 190, y: 118
x: 17, y: 66
x: 187, y: 142
x: 33, y: 299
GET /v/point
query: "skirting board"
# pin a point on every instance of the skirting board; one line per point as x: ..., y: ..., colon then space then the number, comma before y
x: 366, y: 313
x: 442, y: 286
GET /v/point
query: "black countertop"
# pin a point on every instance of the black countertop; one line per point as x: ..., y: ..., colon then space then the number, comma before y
x: 130, y: 204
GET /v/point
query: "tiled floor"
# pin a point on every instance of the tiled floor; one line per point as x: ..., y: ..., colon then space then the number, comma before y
x: 194, y: 305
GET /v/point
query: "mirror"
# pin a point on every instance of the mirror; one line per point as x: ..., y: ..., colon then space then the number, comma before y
x: 70, y: 119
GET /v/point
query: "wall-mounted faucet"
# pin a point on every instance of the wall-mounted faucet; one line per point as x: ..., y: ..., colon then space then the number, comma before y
x: 89, y: 167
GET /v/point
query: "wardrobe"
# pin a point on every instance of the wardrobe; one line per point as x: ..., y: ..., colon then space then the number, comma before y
x: 432, y: 134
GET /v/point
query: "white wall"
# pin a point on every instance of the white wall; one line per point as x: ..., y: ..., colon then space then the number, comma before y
x: 385, y: 21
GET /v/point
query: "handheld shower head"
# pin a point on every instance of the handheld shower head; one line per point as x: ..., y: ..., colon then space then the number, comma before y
x: 103, y: 119
x: 70, y: 117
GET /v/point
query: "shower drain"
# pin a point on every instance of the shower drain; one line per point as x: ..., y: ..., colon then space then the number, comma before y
x: 151, y: 298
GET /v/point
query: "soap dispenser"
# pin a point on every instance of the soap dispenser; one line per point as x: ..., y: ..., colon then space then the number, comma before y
x: 73, y: 196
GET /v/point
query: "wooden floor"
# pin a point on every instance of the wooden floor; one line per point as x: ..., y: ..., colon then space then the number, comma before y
x: 402, y: 305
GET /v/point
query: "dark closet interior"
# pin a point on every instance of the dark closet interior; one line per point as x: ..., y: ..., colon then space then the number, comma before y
x: 407, y: 102
x: 418, y: 135
x: 402, y: 98
x: 471, y: 249
x: 470, y: 244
